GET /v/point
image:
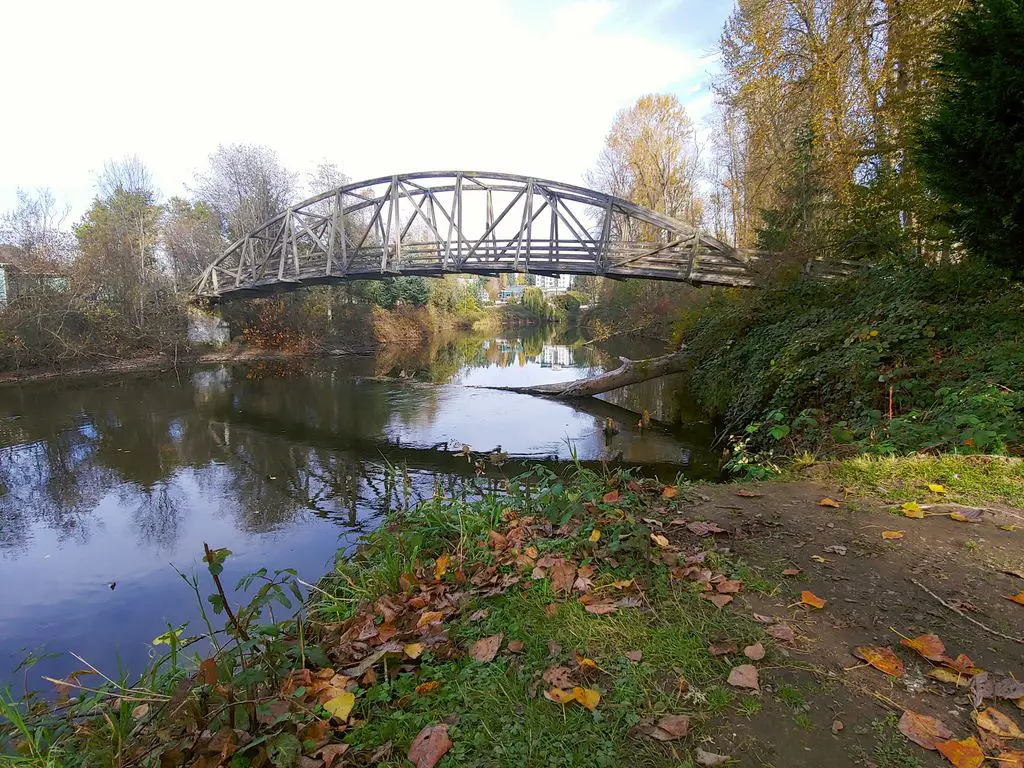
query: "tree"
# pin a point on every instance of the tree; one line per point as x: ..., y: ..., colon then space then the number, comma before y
x: 245, y: 185
x: 33, y: 231
x: 191, y: 239
x: 651, y: 157
x: 972, y: 142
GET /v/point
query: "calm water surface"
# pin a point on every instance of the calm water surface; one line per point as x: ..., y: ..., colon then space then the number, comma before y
x: 105, y: 483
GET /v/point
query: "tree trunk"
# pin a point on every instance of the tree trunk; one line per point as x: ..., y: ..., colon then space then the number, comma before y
x: 630, y: 372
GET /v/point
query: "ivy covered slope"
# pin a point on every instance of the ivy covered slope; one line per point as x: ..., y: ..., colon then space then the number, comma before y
x: 898, y: 358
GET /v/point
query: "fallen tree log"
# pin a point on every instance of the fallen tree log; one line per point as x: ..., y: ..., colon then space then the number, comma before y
x: 630, y: 372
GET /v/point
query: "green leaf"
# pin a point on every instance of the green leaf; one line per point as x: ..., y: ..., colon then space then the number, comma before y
x: 217, y: 602
x: 284, y: 750
x: 316, y: 655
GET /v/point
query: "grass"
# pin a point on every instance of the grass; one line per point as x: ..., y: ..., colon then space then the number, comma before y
x: 890, y: 747
x: 968, y: 480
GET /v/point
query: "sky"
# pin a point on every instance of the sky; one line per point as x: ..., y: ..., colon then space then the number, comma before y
x: 376, y: 86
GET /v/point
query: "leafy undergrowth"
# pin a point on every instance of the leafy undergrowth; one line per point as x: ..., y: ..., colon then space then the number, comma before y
x: 549, y: 625
x: 971, y: 480
x: 901, y: 357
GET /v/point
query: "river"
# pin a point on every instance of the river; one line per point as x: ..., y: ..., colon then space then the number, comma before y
x: 105, y: 483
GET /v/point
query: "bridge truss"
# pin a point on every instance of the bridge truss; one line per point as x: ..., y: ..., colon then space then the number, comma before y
x: 439, y: 222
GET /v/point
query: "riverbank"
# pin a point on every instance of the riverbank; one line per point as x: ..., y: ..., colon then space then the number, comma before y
x: 607, y: 619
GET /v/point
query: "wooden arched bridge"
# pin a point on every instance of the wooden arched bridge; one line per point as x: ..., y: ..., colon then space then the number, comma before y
x: 439, y: 222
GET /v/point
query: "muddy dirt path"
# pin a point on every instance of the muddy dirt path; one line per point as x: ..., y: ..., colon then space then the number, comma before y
x: 823, y: 706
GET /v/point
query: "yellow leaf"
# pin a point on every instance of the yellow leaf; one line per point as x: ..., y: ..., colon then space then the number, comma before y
x: 413, y: 650
x: 811, y: 599
x: 818, y: 559
x: 873, y: 334
x: 881, y: 658
x: 341, y: 705
x: 959, y: 517
x: 595, y: 534
x: 583, y: 661
x: 622, y: 584
x: 669, y: 492
x: 993, y: 720
x: 944, y: 675
x: 892, y: 534
x: 427, y: 687
x: 588, y: 697
x: 1018, y: 598
x: 660, y: 540
x: 828, y: 502
x: 429, y: 617
x: 962, y: 754
x: 913, y: 510
x: 559, y: 696
x: 936, y: 488
x: 440, y: 567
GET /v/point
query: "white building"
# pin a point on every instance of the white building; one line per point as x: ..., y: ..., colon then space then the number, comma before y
x: 551, y: 286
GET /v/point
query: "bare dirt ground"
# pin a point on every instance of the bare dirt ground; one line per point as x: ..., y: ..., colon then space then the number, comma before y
x: 822, y: 706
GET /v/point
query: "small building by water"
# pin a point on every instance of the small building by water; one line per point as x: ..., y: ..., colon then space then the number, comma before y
x: 15, y: 282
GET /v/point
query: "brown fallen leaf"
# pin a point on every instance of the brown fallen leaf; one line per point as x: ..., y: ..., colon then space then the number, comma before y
x: 748, y: 494
x: 961, y: 664
x: 811, y: 599
x: 880, y: 658
x: 1014, y: 759
x: 944, y: 675
x: 670, y: 728
x: 559, y: 676
x: 612, y: 497
x: 967, y: 515
x: 515, y: 646
x: 634, y: 655
x: 669, y: 492
x: 427, y: 687
x: 486, y: 649
x: 719, y: 600
x: 701, y: 528
x: 744, y: 676
x: 754, y: 652
x: 791, y: 572
x: 828, y: 502
x: 330, y: 752
x: 722, y: 649
x: 1018, y: 598
x: 729, y: 586
x: 563, y: 573
x: 600, y: 607
x: 994, y: 721
x: 429, y: 746
x: 208, y: 671
x: 928, y: 646
x: 479, y: 615
x: 782, y: 632
x: 962, y: 754
x: 497, y: 540
x: 923, y: 730
x: 710, y: 759
x: 893, y: 534
x: 429, y: 617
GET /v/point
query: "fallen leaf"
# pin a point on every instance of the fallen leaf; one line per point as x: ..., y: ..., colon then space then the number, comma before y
x: 719, y: 600
x: 441, y: 566
x: 828, y: 502
x: 728, y: 586
x: 331, y: 752
x: 140, y: 711
x: 962, y: 754
x: 595, y: 535
x: 486, y: 649
x: 670, y: 728
x: 837, y: 726
x: 880, y: 658
x: 1013, y: 759
x: 996, y: 722
x: 669, y: 492
x: 748, y: 494
x: 949, y: 676
x: 427, y: 687
x: 893, y: 534
x: 744, y: 676
x: 928, y: 646
x: 791, y: 572
x: 583, y: 661
x: 634, y: 655
x: 700, y: 528
x: 913, y: 510
x: 722, y: 649
x: 601, y: 607
x: 208, y: 671
x: 754, y: 652
x: 1018, y: 598
x: 559, y: 695
x: 818, y: 559
x: 811, y: 599
x: 515, y: 646
x: 559, y: 676
x: 341, y: 705
x: 923, y: 730
x: 710, y: 758
x: 413, y: 650
x: 479, y: 615
x: 660, y: 540
x: 496, y: 540
x: 563, y: 573
x: 961, y: 664
x: 429, y: 617
x: 760, y: 617
x: 587, y: 697
x: 429, y: 746
x: 782, y: 632
x: 612, y: 497
x: 936, y: 488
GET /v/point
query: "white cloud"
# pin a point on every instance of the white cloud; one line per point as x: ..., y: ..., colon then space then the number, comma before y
x: 378, y: 88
